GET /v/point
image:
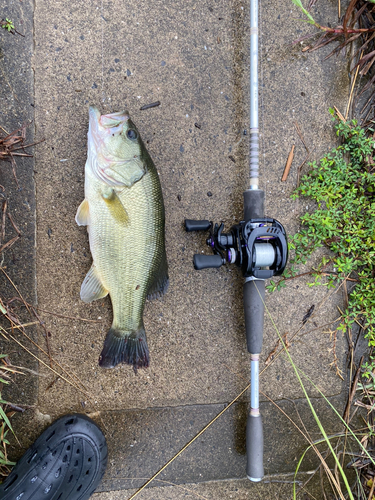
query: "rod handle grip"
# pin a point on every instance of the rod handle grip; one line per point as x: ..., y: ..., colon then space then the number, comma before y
x: 197, y: 225
x: 207, y: 261
x: 253, y: 204
x: 254, y: 448
x: 253, y: 298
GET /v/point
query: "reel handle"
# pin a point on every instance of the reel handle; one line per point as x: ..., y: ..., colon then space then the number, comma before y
x: 197, y: 225
x: 206, y: 261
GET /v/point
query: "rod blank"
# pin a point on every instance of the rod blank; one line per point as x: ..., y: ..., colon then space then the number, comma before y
x: 254, y: 90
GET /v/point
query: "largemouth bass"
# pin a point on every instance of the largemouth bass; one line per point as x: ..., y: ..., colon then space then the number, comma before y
x: 123, y: 210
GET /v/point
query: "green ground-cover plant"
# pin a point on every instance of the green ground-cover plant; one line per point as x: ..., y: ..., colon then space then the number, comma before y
x: 343, y: 186
x: 7, y: 24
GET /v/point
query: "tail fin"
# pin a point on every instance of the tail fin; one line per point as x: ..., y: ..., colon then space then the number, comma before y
x: 125, y: 347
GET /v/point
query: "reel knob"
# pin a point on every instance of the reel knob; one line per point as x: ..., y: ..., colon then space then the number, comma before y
x: 207, y: 261
x: 197, y: 225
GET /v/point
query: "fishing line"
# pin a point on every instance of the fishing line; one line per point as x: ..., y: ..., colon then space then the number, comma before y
x: 262, y: 140
x: 101, y: 24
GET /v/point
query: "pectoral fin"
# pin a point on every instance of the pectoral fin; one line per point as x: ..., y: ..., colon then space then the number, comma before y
x: 82, y: 216
x: 92, y: 288
x: 116, y: 208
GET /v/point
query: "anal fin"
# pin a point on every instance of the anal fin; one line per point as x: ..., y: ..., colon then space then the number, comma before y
x: 92, y: 288
x: 161, y: 282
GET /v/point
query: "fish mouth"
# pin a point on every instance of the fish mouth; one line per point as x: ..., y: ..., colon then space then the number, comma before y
x: 108, y: 121
x: 114, y: 120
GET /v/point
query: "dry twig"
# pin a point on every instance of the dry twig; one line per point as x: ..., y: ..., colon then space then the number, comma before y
x: 288, y: 164
x: 301, y: 136
x: 352, y: 392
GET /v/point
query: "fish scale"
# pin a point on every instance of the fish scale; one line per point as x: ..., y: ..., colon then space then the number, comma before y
x: 125, y: 220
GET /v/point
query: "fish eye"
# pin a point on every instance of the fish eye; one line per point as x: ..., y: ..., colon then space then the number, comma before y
x: 131, y: 134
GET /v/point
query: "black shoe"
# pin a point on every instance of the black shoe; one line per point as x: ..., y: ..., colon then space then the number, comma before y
x: 66, y: 462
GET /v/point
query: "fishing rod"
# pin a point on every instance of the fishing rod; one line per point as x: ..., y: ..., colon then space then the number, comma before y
x: 258, y: 245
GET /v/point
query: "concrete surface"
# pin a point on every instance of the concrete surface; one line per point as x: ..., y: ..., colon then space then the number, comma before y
x: 193, y: 58
x: 275, y: 488
x: 17, y: 108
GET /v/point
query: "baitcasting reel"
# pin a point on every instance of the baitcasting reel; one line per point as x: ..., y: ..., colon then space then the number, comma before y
x: 258, y: 246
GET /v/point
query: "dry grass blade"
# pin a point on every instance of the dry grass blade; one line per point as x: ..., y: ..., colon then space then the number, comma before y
x: 339, y: 114
x: 274, y: 350
x: 7, y: 410
x: 164, y: 482
x: 328, y: 471
x: 335, y: 362
x: 14, y: 225
x: 188, y: 444
x: 322, y: 41
x: 298, y: 129
x: 8, y: 244
x: 4, y: 211
x: 352, y: 392
x: 12, y: 142
x: 368, y: 66
x: 364, y: 46
x: 30, y: 310
x: 70, y: 382
x: 299, y: 169
x: 358, y: 27
x: 74, y: 380
x: 348, y: 14
x: 67, y: 375
x: 365, y: 59
x: 59, y: 315
x: 371, y: 494
x: 352, y: 92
